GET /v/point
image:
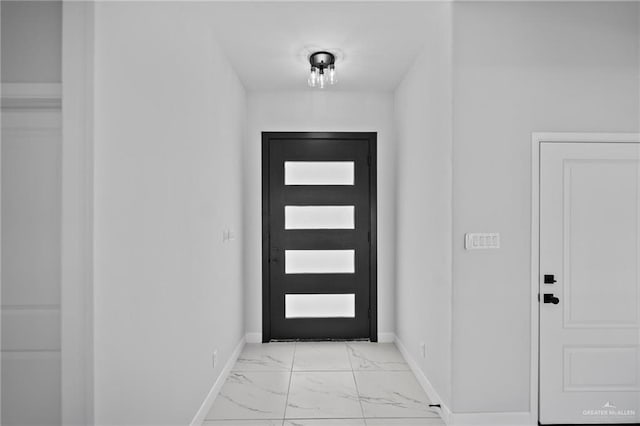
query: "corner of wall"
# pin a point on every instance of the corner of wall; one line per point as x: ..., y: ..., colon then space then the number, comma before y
x: 204, y: 409
x: 424, y: 122
x: 77, y: 214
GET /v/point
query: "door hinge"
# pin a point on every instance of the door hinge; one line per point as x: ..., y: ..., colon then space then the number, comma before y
x: 369, y: 236
x: 369, y: 313
x: 369, y: 160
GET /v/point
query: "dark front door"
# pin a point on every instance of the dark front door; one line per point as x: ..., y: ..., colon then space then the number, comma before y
x: 319, y: 252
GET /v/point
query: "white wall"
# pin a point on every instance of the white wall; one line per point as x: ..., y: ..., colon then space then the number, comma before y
x: 520, y: 68
x: 31, y: 41
x: 423, y: 198
x: 169, y: 124
x: 315, y: 110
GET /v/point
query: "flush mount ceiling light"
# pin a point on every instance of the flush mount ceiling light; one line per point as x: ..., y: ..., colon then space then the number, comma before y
x: 321, y: 62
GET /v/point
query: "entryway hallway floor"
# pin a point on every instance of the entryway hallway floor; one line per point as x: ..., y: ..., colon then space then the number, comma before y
x: 321, y: 384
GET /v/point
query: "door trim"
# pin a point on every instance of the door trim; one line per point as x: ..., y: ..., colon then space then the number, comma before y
x: 537, y: 138
x: 373, y: 243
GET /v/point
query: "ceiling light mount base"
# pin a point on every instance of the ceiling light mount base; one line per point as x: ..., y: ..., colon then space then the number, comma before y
x: 322, y: 59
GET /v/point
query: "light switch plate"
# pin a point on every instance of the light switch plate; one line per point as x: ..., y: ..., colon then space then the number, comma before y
x: 228, y: 235
x: 479, y: 241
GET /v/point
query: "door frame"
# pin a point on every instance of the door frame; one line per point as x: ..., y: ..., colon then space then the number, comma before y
x: 537, y: 138
x: 373, y: 243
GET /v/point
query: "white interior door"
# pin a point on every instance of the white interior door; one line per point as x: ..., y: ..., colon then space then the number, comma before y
x: 30, y: 245
x: 589, y: 243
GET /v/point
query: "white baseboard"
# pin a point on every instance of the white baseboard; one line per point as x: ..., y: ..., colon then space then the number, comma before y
x: 463, y: 419
x: 385, y: 337
x: 434, y: 397
x: 253, y: 337
x: 493, y: 419
x: 201, y: 415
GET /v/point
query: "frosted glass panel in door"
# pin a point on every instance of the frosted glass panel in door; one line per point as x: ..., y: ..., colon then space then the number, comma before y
x: 319, y: 261
x: 320, y: 305
x: 319, y: 217
x: 318, y: 173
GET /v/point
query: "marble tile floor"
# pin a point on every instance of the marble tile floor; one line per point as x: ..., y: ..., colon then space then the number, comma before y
x: 321, y: 384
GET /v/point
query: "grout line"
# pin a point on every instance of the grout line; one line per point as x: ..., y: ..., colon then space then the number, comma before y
x: 355, y: 382
x: 286, y: 403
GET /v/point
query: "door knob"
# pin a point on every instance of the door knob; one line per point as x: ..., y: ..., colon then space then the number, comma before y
x: 550, y: 298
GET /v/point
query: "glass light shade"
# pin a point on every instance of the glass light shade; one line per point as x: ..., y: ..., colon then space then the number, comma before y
x: 313, y: 77
x: 333, y: 78
x: 321, y: 79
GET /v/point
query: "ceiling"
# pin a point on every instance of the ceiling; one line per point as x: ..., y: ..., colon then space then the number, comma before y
x: 268, y: 42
